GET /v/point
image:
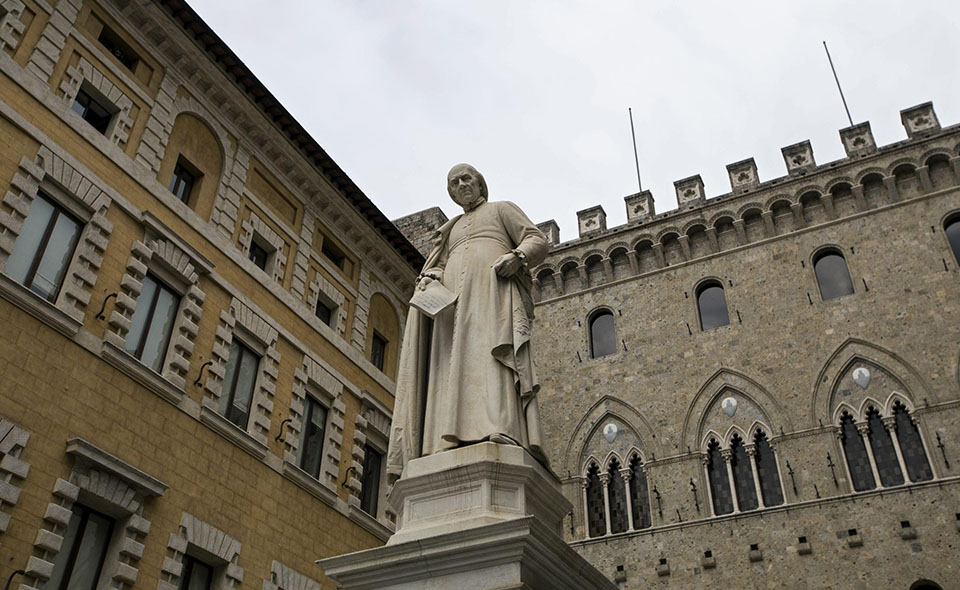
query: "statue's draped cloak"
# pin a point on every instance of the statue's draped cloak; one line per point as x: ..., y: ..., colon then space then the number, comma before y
x: 481, y: 378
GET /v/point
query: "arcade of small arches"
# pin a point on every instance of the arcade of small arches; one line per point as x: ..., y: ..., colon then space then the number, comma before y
x: 811, y: 205
x: 616, y: 496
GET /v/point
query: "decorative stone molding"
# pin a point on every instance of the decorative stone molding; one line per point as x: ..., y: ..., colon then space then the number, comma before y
x: 119, y: 130
x: 920, y: 120
x: 799, y: 158
x: 313, y: 379
x: 162, y: 256
x: 591, y: 220
x: 11, y: 27
x: 84, y: 194
x: 640, y: 206
x: 323, y: 290
x: 743, y: 176
x: 109, y: 485
x: 858, y: 140
x: 690, y: 192
x: 13, y: 440
x: 254, y: 228
x: 194, y: 532
x: 283, y: 577
x: 262, y: 334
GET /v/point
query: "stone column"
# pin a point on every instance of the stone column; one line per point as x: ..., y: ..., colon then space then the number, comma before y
x: 634, y: 264
x: 658, y: 252
x: 955, y: 163
x: 771, y: 229
x: 584, y: 484
x: 741, y: 231
x: 685, y: 247
x: 828, y: 205
x: 627, y: 474
x: 752, y: 454
x: 607, y: 269
x: 727, y: 455
x: 890, y: 423
x: 712, y: 236
x: 605, y: 480
x: 891, y: 183
x: 923, y: 173
x: 857, y: 191
x: 797, y: 209
x: 864, y: 429
x: 704, y: 460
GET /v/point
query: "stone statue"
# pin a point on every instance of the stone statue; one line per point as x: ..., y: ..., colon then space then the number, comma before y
x: 471, y: 377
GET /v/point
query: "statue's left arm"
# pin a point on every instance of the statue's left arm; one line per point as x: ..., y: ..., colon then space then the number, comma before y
x: 528, y: 241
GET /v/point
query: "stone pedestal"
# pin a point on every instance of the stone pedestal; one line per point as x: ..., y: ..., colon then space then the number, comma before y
x: 483, y: 517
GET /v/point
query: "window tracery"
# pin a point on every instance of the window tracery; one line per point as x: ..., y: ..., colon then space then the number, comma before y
x: 616, y: 497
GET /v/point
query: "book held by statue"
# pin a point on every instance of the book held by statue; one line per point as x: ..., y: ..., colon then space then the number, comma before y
x: 433, y: 299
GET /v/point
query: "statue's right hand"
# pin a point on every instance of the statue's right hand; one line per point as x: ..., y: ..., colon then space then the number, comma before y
x: 424, y: 282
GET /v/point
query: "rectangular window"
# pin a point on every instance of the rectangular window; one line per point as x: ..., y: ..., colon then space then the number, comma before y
x: 195, y: 574
x: 378, y: 350
x: 184, y: 178
x: 118, y: 48
x: 93, y: 111
x: 238, y: 383
x: 259, y: 255
x: 152, y: 323
x: 332, y: 253
x: 311, y: 448
x: 78, y: 564
x: 370, y: 482
x: 43, y: 251
x: 324, y: 312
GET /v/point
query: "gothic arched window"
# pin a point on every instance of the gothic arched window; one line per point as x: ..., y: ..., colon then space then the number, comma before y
x: 767, y: 471
x: 596, y: 515
x: 856, y: 454
x: 712, y: 306
x: 952, y: 229
x: 911, y: 446
x: 832, y: 275
x: 719, y: 480
x: 639, y: 494
x: 742, y: 476
x: 617, y: 491
x: 888, y: 466
x: 603, y: 334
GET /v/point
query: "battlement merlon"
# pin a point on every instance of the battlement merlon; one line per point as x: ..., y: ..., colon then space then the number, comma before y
x: 551, y: 230
x: 591, y: 220
x: 690, y: 192
x: 639, y: 206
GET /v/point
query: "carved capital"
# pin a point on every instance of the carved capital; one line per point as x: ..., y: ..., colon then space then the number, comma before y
x: 751, y: 450
x: 626, y: 474
x: 605, y: 479
x: 863, y: 428
x: 727, y: 454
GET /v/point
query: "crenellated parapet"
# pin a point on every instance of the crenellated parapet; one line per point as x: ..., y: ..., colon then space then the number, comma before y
x: 810, y: 194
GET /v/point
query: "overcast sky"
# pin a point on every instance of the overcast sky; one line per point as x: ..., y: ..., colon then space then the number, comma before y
x: 534, y: 93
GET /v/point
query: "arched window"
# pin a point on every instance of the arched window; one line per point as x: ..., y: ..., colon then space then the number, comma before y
x: 617, y: 491
x: 712, y: 306
x: 856, y: 454
x: 925, y: 585
x: 719, y: 480
x: 767, y: 471
x: 639, y: 494
x: 911, y: 446
x: 888, y: 466
x: 742, y: 476
x: 952, y: 229
x: 832, y: 275
x: 603, y: 334
x: 596, y: 515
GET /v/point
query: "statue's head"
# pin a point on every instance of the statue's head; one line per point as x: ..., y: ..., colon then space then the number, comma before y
x: 466, y: 186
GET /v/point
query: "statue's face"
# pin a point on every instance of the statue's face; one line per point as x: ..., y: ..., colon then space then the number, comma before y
x: 463, y: 184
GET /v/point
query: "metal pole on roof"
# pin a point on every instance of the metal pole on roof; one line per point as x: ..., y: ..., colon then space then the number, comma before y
x: 636, y: 158
x: 834, y: 70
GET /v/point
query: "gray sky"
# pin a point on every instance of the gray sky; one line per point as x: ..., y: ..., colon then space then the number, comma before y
x: 534, y: 93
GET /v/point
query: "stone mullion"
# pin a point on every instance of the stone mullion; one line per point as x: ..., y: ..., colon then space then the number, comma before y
x: 864, y: 429
x: 890, y: 423
x: 605, y: 482
x: 752, y: 457
x: 584, y: 484
x: 846, y: 462
x: 627, y: 475
x: 776, y: 461
x: 727, y: 455
x: 705, y: 460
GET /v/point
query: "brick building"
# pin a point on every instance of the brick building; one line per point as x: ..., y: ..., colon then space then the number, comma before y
x: 201, y: 314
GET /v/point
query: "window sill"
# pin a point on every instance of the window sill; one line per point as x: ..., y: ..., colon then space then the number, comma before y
x: 370, y: 524
x: 142, y: 374
x: 38, y: 307
x: 310, y: 484
x: 229, y: 431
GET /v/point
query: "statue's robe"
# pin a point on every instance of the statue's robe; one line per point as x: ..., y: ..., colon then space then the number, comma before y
x: 475, y: 377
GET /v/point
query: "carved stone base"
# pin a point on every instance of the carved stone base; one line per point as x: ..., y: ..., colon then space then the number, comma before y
x: 483, y: 517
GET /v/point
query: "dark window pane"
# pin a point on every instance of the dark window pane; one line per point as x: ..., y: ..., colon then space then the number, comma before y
x: 138, y: 323
x: 832, y: 276
x: 856, y: 453
x: 639, y: 495
x: 378, y: 350
x: 918, y: 467
x: 618, y: 499
x: 118, y: 48
x: 93, y: 112
x: 158, y: 335
x: 44, y: 248
x: 78, y: 564
x: 603, y: 334
x: 27, y: 248
x: 370, y: 482
x: 712, y: 304
x: 195, y: 574
x: 953, y: 236
x: 743, y: 476
x: 883, y: 452
x: 324, y: 312
x: 311, y: 451
x: 767, y: 472
x: 181, y: 185
x: 333, y: 253
x: 56, y: 256
x: 596, y: 515
x: 719, y: 481
x: 259, y: 255
x: 238, y: 383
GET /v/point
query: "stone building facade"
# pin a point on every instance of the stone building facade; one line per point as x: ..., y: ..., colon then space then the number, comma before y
x: 761, y: 389
x: 201, y: 313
